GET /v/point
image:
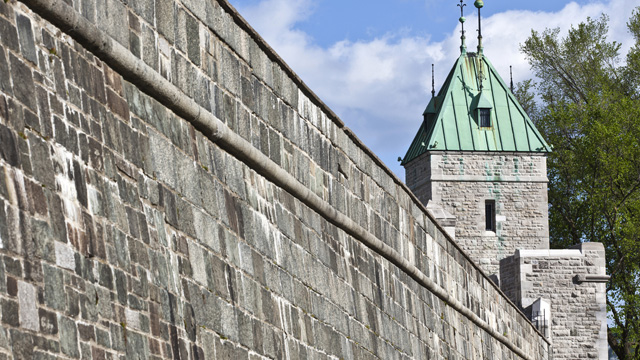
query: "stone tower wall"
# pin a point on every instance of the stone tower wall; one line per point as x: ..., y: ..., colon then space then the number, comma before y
x: 574, y: 284
x: 461, y: 182
x: 126, y: 232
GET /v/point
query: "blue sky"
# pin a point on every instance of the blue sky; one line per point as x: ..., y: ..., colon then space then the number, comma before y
x: 370, y: 61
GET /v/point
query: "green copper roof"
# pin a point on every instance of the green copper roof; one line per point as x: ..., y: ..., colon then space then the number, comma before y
x: 451, y: 120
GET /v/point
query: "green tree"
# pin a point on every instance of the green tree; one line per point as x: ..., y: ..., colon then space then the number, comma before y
x: 590, y: 113
x: 524, y: 92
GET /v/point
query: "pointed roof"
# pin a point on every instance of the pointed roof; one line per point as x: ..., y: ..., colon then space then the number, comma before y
x: 451, y: 118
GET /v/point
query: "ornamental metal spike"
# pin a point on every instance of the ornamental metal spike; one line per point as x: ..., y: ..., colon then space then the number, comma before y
x: 433, y: 81
x: 511, y: 71
x: 479, y: 4
x: 463, y: 47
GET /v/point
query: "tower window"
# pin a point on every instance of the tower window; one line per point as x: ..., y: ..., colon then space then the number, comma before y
x: 490, y: 215
x: 485, y: 118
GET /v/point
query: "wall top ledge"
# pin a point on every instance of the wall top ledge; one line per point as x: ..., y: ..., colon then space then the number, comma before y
x: 575, y: 251
x: 548, y: 253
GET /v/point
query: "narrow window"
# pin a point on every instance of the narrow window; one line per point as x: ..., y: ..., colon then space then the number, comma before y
x: 485, y: 118
x: 490, y: 215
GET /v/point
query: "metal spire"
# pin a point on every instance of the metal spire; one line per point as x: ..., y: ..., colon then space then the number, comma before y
x: 511, y: 71
x: 463, y: 47
x: 433, y: 81
x: 479, y: 4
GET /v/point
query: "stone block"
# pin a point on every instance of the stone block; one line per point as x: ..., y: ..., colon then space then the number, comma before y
x: 227, y: 350
x: 9, y: 150
x: 89, y: 10
x: 9, y: 35
x: 165, y: 18
x: 193, y: 39
x: 43, y: 124
x: 10, y: 312
x: 184, y: 212
x: 110, y: 15
x: 135, y: 44
x: 275, y: 147
x: 23, y: 85
x: 181, y: 30
x: 228, y: 322
x: 117, y: 105
x: 66, y: 136
x: 134, y: 22
x: 27, y: 42
x: 229, y: 112
x: 54, y: 294
x: 197, y: 264
x: 5, y: 81
x: 230, y: 70
x: 22, y: 345
x: 41, y: 245
x: 273, y: 343
x: 203, y: 95
x: 68, y: 337
x: 145, y: 9
x: 184, y: 74
x: 149, y: 47
x: 137, y: 346
x: 28, y: 306
x: 48, y: 322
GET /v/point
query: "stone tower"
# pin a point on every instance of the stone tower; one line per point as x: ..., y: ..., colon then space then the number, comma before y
x: 478, y: 156
x: 479, y: 165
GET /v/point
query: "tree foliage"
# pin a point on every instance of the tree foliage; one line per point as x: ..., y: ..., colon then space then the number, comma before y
x: 590, y: 114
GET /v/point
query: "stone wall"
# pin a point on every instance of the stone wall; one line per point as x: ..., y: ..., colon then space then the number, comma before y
x: 461, y: 182
x: 574, y: 283
x: 126, y: 232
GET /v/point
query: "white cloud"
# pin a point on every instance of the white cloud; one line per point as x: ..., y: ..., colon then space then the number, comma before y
x: 380, y: 87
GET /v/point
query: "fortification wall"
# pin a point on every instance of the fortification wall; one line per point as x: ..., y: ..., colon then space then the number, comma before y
x: 461, y: 182
x: 245, y: 223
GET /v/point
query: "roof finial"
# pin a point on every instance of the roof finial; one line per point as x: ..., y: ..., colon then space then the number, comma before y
x: 463, y: 47
x: 433, y: 81
x: 511, y: 71
x: 479, y: 4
